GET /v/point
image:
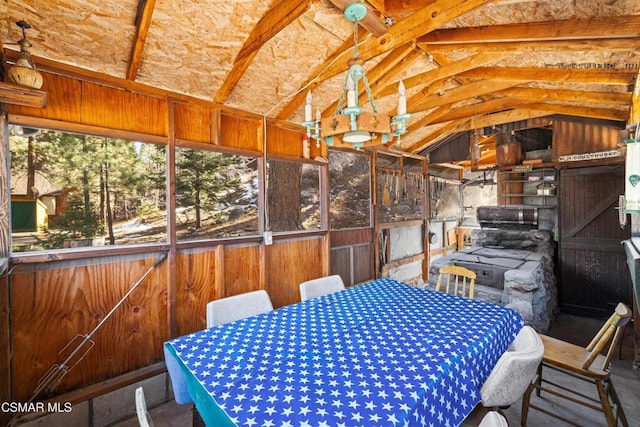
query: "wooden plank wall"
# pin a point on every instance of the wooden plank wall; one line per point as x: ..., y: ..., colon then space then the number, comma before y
x: 573, y: 136
x: 352, y: 255
x: 54, y: 303
x: 48, y: 300
x: 293, y: 261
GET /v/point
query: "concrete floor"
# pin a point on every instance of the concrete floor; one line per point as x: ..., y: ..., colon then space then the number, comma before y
x: 569, y: 328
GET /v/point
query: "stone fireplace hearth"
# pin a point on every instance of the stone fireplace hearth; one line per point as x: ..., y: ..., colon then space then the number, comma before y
x: 514, y: 268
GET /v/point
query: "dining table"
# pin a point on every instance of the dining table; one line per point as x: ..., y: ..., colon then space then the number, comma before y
x: 382, y: 353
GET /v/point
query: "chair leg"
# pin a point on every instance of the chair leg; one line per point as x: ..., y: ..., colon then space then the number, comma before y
x: 616, y: 404
x: 606, y: 406
x: 524, y: 413
x: 538, y: 380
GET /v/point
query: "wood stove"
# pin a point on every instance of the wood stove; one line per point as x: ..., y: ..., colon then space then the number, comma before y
x: 514, y: 268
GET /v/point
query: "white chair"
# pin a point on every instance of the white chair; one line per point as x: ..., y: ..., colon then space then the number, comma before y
x: 144, y: 419
x: 493, y: 419
x: 515, y: 370
x: 321, y: 286
x: 230, y: 309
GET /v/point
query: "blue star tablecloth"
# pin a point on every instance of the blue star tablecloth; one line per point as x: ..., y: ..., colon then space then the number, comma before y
x: 379, y: 354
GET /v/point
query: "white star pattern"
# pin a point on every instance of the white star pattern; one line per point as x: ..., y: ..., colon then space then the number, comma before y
x: 383, y: 353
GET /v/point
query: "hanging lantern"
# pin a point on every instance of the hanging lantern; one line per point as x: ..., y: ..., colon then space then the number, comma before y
x: 24, y: 72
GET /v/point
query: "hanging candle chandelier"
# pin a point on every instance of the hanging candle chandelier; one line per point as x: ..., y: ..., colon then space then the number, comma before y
x: 351, y: 123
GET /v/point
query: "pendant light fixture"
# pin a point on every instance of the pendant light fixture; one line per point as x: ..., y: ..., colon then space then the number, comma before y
x: 24, y: 72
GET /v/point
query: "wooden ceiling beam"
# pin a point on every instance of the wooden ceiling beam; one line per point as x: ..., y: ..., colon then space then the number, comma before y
x: 397, y: 7
x: 605, y: 76
x: 275, y: 20
x: 610, y: 45
x: 394, y: 75
x: 605, y: 27
x: 479, y: 109
x: 427, y: 78
x: 281, y: 14
x: 427, y: 19
x: 233, y: 77
x: 20, y: 95
x: 371, y: 22
x: 580, y: 111
x: 563, y: 95
x: 143, y: 22
x: 460, y: 93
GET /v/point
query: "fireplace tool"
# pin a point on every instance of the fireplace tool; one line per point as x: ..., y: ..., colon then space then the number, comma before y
x: 80, y: 345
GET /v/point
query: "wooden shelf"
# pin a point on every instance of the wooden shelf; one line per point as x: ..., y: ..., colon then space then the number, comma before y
x: 20, y: 95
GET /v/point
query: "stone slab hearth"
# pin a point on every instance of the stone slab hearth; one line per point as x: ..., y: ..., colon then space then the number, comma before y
x: 514, y: 268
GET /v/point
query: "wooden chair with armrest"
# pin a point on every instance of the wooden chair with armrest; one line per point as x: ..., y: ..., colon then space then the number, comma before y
x: 456, y: 280
x: 584, y: 363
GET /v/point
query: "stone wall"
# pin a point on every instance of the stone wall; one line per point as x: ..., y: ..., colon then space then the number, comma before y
x: 531, y: 288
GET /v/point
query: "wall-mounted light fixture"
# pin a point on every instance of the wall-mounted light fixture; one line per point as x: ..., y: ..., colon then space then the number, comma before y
x: 632, y: 172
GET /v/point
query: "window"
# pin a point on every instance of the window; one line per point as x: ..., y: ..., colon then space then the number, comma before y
x: 401, y: 188
x: 70, y: 190
x: 216, y: 195
x: 349, y: 190
x: 293, y: 196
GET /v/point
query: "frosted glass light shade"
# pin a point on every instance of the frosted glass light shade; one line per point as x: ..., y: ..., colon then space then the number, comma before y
x: 356, y: 136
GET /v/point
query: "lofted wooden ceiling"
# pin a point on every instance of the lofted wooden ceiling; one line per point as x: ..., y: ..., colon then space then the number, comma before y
x: 465, y: 64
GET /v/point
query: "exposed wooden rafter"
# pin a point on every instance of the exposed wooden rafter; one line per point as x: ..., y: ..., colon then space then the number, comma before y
x: 421, y: 22
x: 275, y: 20
x: 609, y: 27
x: 371, y: 22
x: 143, y: 21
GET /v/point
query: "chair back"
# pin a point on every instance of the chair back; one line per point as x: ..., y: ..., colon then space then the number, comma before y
x: 230, y: 309
x: 493, y: 419
x: 608, y: 337
x: 514, y: 371
x: 144, y: 419
x: 456, y: 280
x: 321, y: 286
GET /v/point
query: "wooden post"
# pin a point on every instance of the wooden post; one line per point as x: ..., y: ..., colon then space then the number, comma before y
x: 5, y: 235
x: 634, y: 118
x: 5, y: 241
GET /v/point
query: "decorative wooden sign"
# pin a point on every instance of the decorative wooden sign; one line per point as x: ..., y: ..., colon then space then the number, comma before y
x: 590, y: 156
x: 522, y: 168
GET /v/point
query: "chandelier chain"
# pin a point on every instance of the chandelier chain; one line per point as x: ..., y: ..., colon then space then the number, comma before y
x: 369, y: 94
